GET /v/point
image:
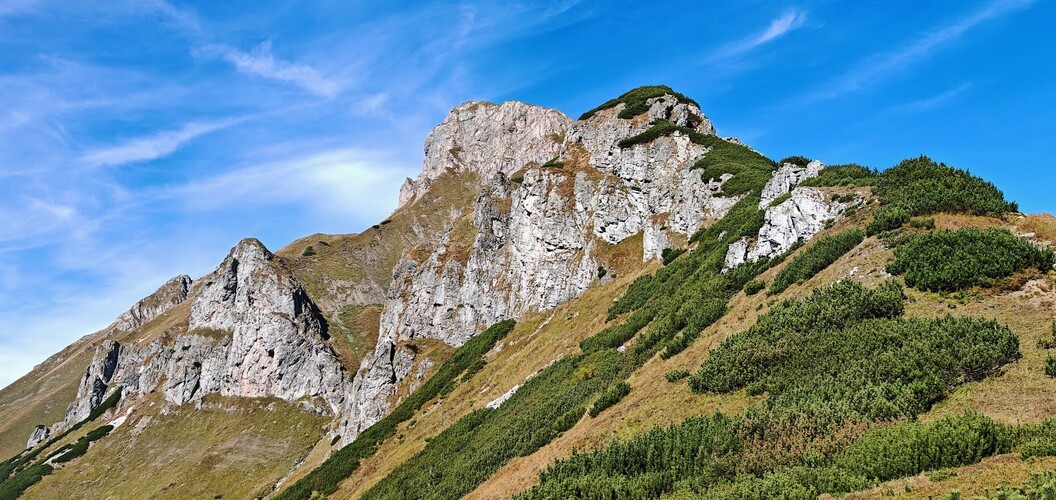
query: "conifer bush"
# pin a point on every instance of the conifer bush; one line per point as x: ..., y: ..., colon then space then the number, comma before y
x: 948, y: 261
x: 843, y: 175
x: 816, y: 258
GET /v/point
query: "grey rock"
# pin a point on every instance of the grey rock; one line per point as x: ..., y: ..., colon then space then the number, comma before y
x: 171, y: 294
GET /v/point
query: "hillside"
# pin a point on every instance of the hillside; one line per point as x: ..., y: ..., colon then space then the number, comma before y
x: 626, y: 305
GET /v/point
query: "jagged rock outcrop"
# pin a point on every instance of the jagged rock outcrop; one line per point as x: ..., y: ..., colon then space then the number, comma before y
x: 786, y: 177
x: 171, y: 294
x: 487, y: 139
x: 40, y: 434
x: 533, y: 244
x: 798, y: 218
x: 252, y: 332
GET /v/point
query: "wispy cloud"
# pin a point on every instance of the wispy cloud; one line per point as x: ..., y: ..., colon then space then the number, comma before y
x: 262, y: 62
x: 344, y: 182
x: 780, y: 26
x: 935, y: 101
x: 150, y: 147
x: 881, y: 66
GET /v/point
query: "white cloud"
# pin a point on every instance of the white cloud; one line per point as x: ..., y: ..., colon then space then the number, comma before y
x: 262, y: 62
x: 880, y: 66
x: 789, y: 21
x: 151, y: 147
x: 934, y: 101
x: 345, y: 182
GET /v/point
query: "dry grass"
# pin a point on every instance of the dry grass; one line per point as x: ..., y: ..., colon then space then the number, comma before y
x: 235, y: 447
x: 971, y: 481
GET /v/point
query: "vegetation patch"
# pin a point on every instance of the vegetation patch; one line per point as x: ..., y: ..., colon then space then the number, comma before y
x: 799, y: 161
x: 845, y: 354
x: 948, y: 261
x: 920, y: 186
x: 670, y: 254
x: 755, y: 286
x: 611, y: 396
x: 816, y: 258
x: 844, y: 175
x: 832, y: 364
x: 634, y: 101
x: 325, y: 478
x: 750, y: 170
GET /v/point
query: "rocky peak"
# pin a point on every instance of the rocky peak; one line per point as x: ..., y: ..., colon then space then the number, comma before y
x: 487, y: 139
x: 171, y: 294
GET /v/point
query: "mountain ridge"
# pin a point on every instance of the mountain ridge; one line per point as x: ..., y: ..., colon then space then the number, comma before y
x: 519, y: 212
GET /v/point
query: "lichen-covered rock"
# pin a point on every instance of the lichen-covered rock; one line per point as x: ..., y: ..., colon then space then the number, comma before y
x: 39, y: 435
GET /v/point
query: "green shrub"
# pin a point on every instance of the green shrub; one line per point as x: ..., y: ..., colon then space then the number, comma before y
x: 780, y: 199
x: 635, y: 101
x: 843, y: 175
x: 325, y: 478
x: 912, y: 448
x: 602, y: 272
x: 751, y: 170
x: 816, y: 258
x: 1050, y: 365
x: 676, y: 375
x: 308, y: 251
x: 921, y: 186
x: 887, y: 218
x: 755, y: 286
x: 801, y: 161
x: 611, y: 396
x: 517, y: 179
x: 14, y: 486
x: 670, y: 254
x: 554, y: 162
x: 928, y: 223
x: 81, y: 446
x: 947, y: 261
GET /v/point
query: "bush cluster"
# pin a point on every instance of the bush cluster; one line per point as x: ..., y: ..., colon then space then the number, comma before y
x: 845, y: 354
x: 670, y: 254
x: 843, y: 175
x: 947, y: 261
x: 611, y: 396
x: 750, y: 170
x: 816, y: 258
x: 799, y: 161
x: 755, y: 286
x: 635, y: 101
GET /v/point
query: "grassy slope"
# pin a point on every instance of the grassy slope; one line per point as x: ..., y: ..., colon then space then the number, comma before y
x: 250, y: 444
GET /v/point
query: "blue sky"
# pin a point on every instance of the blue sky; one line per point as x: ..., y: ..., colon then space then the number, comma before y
x: 142, y: 139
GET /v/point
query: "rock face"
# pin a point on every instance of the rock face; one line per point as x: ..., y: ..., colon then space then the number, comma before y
x: 252, y: 332
x: 487, y: 139
x: 171, y: 294
x: 798, y: 218
x: 533, y: 243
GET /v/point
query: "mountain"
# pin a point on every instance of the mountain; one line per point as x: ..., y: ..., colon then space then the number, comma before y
x: 624, y: 305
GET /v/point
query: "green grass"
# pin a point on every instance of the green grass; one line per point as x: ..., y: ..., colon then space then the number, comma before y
x: 816, y: 258
x: 800, y: 161
x: 635, y: 101
x: 324, y: 479
x: 947, y: 261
